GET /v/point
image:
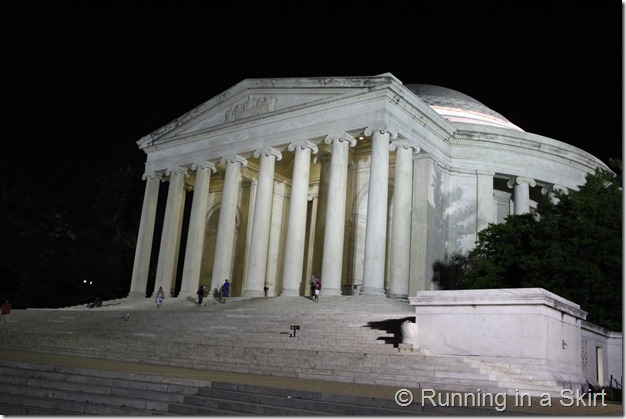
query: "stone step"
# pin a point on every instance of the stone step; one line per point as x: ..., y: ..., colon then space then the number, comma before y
x: 352, y: 337
x: 282, y: 361
x: 48, y: 406
x: 67, y: 390
x: 266, y: 401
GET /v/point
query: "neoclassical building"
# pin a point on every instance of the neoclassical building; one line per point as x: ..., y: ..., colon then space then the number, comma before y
x: 365, y: 182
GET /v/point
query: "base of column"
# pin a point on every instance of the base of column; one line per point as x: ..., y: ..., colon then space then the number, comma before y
x: 402, y: 297
x: 372, y: 291
x: 289, y: 293
x: 136, y: 294
x: 252, y: 293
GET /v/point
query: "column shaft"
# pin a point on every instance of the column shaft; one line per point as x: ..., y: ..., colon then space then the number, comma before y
x: 296, y: 224
x: 521, y: 194
x: 168, y: 252
x: 143, y: 250
x: 332, y: 260
x: 376, y: 228
x: 222, y: 264
x: 257, y: 262
x: 197, y: 224
x: 401, y: 224
x: 246, y: 257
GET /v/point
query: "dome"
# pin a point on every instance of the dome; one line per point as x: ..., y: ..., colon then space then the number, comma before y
x: 459, y: 107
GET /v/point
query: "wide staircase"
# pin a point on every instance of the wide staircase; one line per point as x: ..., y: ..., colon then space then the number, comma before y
x: 39, y: 389
x: 351, y: 339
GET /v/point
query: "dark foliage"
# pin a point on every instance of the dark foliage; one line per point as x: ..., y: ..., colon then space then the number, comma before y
x: 48, y: 259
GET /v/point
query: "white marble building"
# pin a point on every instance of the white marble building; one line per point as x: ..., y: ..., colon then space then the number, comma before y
x: 362, y: 181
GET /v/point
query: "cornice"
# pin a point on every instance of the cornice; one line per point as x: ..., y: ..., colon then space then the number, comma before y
x: 524, y: 145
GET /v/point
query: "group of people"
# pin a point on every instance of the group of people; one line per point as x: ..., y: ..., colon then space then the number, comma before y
x: 316, y: 288
x: 223, y: 294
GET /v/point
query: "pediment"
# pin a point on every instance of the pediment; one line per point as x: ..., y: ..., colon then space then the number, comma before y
x: 258, y: 98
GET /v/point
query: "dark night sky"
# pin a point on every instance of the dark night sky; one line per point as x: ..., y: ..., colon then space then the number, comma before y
x: 83, y: 81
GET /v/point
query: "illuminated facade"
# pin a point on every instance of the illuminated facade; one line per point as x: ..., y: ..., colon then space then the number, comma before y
x: 365, y: 182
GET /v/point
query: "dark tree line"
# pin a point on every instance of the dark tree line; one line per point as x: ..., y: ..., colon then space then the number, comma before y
x: 572, y: 248
x: 49, y: 257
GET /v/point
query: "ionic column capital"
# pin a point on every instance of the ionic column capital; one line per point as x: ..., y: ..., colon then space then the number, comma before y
x: 518, y: 180
x: 303, y: 145
x: 234, y: 158
x: 406, y: 144
x: 385, y: 129
x: 341, y: 138
x: 152, y: 175
x: 268, y: 151
x: 177, y: 170
x: 204, y: 165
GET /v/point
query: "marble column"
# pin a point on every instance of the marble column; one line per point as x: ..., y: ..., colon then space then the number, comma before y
x: 376, y: 227
x: 170, y: 238
x: 197, y: 223
x: 334, y: 230
x: 521, y: 193
x: 296, y: 224
x: 257, y: 261
x: 400, y: 254
x: 222, y: 264
x: 310, y: 245
x: 143, y: 249
x: 246, y: 257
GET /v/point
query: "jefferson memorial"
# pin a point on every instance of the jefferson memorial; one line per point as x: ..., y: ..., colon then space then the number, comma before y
x: 364, y: 182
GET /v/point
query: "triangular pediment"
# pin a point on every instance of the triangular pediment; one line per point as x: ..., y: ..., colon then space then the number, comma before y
x: 258, y: 98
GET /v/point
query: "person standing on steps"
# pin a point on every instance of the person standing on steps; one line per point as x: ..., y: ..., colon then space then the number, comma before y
x: 312, y: 284
x: 225, y: 290
x: 318, y: 290
x: 160, y: 296
x: 200, y: 294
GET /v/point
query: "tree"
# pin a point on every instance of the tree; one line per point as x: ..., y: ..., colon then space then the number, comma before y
x: 49, y: 259
x: 572, y: 248
x: 103, y: 259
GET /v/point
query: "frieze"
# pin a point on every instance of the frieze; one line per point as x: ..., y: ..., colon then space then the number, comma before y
x: 253, y: 106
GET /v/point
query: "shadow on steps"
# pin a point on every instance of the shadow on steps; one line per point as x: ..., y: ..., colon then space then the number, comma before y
x: 391, y: 326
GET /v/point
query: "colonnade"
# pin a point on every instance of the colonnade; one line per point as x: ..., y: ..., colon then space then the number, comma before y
x: 294, y: 243
x: 383, y: 141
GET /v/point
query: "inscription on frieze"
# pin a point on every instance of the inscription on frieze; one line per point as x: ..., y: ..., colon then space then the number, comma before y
x: 251, y: 107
